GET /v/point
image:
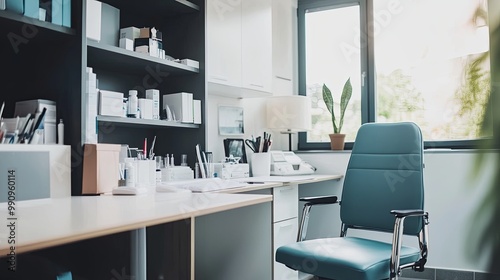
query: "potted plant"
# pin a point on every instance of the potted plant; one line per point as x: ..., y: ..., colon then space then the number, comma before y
x: 337, y: 138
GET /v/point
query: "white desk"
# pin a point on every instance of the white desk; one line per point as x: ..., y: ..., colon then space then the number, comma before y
x: 284, y: 224
x: 243, y: 223
x: 52, y: 222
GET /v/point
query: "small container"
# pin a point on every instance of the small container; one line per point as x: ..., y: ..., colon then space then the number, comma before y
x: 133, y: 104
x: 130, y: 177
x: 184, y: 159
x: 60, y: 132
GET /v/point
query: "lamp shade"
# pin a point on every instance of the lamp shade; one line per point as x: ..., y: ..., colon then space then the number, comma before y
x: 290, y: 113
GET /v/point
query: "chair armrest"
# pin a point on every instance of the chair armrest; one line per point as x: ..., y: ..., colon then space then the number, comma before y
x: 407, y: 213
x: 309, y: 202
x: 400, y: 216
x: 319, y: 200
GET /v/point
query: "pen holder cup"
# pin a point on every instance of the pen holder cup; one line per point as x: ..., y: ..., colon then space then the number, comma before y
x: 260, y: 164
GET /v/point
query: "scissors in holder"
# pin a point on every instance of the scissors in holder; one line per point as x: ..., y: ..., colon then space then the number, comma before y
x: 251, y: 144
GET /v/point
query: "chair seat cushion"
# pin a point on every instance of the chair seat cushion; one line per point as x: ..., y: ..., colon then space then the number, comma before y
x: 343, y: 258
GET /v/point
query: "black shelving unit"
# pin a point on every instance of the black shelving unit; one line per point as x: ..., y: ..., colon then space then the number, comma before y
x: 42, y: 60
x: 182, y: 24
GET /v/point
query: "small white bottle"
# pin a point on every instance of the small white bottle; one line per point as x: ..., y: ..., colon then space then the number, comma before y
x: 129, y: 174
x: 60, y: 132
x: 132, y: 104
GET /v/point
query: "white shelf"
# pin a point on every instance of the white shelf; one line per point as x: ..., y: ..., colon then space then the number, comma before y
x: 143, y: 122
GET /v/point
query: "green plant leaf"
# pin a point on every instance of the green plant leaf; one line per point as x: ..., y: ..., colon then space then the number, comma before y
x: 344, y: 100
x: 328, y: 99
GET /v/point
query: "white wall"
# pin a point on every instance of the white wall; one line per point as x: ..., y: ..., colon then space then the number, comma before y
x: 452, y: 197
x: 254, y: 112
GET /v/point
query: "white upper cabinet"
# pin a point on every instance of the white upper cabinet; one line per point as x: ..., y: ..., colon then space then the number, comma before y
x: 256, y: 37
x: 249, y: 47
x: 224, y: 42
x: 283, y: 46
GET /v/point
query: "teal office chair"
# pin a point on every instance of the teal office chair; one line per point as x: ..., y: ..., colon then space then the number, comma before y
x: 383, y: 191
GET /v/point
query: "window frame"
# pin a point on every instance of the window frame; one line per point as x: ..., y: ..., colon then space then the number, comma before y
x: 368, y: 95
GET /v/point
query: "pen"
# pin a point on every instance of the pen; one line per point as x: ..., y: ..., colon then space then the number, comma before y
x: 38, y: 123
x: 25, y: 129
x: 255, y: 182
x: 145, y: 148
x: 151, y: 153
x: 1, y: 110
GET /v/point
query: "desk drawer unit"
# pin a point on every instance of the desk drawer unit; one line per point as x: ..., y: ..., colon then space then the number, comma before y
x: 285, y: 232
x: 285, y: 204
x: 285, y: 224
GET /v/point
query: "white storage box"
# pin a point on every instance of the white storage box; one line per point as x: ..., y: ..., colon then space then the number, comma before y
x: 154, y: 95
x: 190, y: 62
x: 110, y: 103
x: 181, y: 104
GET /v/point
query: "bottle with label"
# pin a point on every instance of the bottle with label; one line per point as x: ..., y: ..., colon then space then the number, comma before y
x: 132, y: 104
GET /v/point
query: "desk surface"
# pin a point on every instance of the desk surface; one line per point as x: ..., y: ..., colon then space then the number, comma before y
x: 44, y: 223
x: 278, y: 181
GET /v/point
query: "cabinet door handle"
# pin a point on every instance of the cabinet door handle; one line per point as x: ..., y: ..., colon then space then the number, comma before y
x: 283, y: 78
x: 286, y: 189
x: 257, y: 85
x: 286, y: 226
x: 218, y: 78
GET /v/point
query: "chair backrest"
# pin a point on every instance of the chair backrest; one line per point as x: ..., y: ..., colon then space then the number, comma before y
x: 385, y: 172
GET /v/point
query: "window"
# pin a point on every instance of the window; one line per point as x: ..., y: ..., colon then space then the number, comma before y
x: 407, y: 60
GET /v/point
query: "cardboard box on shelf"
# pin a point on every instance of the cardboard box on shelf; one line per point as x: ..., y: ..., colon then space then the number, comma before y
x: 100, y: 168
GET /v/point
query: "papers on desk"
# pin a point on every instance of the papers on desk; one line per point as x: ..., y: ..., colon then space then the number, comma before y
x: 200, y: 185
x: 280, y: 179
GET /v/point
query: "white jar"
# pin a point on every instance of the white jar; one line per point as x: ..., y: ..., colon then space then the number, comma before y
x: 133, y: 105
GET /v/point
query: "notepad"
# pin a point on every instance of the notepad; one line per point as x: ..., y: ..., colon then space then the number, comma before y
x: 201, y: 185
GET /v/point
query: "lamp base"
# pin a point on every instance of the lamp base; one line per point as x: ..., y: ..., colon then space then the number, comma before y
x: 289, y: 132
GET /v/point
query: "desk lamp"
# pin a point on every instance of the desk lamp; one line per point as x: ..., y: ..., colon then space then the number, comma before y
x: 289, y: 114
